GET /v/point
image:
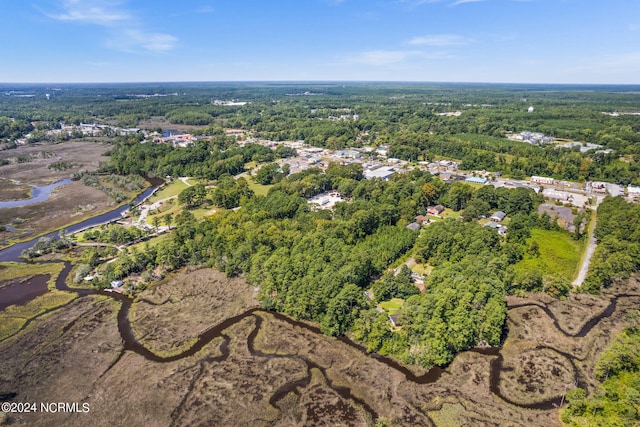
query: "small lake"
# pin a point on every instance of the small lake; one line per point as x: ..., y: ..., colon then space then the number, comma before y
x: 38, y: 194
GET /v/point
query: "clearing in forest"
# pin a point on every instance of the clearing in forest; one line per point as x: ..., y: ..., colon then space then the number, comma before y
x: 558, y: 254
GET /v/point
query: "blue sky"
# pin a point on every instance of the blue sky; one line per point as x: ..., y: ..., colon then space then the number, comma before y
x: 528, y: 41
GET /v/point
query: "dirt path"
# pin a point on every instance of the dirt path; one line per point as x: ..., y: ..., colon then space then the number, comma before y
x: 591, y: 247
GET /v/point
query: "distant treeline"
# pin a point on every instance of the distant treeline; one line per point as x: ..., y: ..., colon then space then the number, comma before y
x: 405, y: 116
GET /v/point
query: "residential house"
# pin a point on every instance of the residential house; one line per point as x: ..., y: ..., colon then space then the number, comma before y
x: 421, y: 219
x: 435, y: 210
x: 502, y: 230
x: 414, y: 226
x: 393, y: 318
x: 498, y: 216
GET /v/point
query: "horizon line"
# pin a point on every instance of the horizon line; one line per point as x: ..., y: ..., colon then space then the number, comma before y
x: 328, y: 81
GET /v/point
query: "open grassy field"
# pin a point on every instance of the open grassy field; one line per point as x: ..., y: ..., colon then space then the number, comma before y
x: 259, y: 189
x: 167, y: 207
x: 392, y: 306
x: 423, y: 269
x: 170, y: 190
x: 450, y: 213
x: 204, y: 212
x: 151, y: 242
x: 559, y: 254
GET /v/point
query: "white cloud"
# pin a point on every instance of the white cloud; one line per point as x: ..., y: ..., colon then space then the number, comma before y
x: 206, y: 9
x: 95, y: 12
x: 383, y: 57
x: 132, y: 40
x: 395, y: 57
x: 440, y: 40
x: 459, y: 2
x: 416, y: 3
x: 127, y: 32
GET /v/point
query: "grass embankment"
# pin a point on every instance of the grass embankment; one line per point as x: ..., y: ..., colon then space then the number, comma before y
x: 14, y: 317
x: 559, y: 254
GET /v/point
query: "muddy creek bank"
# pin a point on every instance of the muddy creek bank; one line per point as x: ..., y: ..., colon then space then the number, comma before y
x: 497, y: 368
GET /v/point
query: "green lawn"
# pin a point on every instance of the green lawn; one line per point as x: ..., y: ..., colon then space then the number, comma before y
x: 170, y: 190
x: 392, y: 306
x: 450, y: 213
x: 259, y: 189
x: 423, y: 269
x: 166, y: 208
x: 151, y: 242
x: 559, y: 254
x: 200, y: 213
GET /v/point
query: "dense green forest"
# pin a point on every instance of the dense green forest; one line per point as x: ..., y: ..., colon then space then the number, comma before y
x: 320, y: 265
x: 404, y: 116
x: 617, y: 255
x: 616, y: 400
x: 334, y: 267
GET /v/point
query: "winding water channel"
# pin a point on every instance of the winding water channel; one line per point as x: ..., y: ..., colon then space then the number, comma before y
x: 12, y: 253
x: 431, y: 376
x: 130, y: 343
x: 38, y: 194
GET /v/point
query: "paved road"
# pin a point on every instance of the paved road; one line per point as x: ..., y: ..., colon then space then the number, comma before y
x: 591, y: 247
